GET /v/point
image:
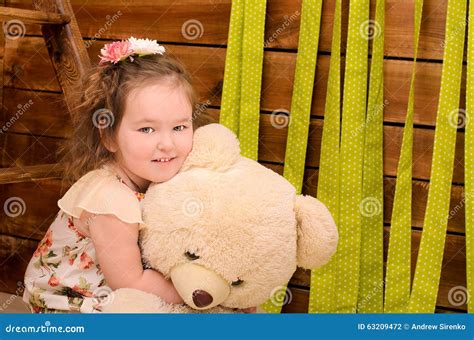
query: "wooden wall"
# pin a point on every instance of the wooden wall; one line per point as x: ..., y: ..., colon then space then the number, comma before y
x: 34, y: 138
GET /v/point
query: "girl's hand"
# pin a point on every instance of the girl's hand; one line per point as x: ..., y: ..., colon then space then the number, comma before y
x: 116, y: 244
x: 249, y: 310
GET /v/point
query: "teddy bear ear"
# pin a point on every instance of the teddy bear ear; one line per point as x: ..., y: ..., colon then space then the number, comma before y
x: 317, y: 232
x: 214, y: 147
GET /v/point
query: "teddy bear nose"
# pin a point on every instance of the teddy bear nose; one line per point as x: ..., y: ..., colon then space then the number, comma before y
x: 202, y: 298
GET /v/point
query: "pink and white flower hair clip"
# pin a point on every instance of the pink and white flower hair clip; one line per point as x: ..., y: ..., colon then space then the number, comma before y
x: 121, y: 50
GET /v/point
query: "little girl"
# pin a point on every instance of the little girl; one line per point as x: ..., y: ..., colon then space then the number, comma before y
x: 133, y: 126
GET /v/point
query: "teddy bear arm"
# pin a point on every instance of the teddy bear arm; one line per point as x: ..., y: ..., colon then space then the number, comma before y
x: 128, y: 300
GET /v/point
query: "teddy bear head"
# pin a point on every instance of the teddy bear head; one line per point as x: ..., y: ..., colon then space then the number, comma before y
x: 229, y: 231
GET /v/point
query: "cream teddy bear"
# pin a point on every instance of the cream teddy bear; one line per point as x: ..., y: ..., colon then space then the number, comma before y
x: 227, y: 231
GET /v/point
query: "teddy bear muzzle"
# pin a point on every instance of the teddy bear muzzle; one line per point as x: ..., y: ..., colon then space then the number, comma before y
x: 199, y: 287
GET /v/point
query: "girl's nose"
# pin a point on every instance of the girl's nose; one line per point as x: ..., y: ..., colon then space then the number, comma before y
x: 165, y: 142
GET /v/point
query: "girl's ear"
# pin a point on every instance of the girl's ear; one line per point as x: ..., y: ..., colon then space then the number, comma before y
x: 215, y: 147
x: 108, y: 141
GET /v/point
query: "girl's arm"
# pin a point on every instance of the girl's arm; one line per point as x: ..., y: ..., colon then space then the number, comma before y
x: 116, y: 244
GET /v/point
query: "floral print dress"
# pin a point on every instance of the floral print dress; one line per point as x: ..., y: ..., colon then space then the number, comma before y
x: 64, y: 276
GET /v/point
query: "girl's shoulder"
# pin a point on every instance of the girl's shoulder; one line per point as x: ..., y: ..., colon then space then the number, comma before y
x: 101, y: 192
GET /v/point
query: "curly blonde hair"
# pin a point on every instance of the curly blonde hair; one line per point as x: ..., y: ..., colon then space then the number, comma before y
x: 101, y: 104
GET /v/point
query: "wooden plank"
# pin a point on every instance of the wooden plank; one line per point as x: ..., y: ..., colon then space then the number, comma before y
x: 19, y: 150
x: 13, y: 303
x: 33, y: 17
x: 2, y: 61
x: 27, y: 66
x: 30, y: 173
x: 37, y: 113
x: 15, y: 253
x: 164, y: 20
x: 24, y: 214
x: 453, y: 272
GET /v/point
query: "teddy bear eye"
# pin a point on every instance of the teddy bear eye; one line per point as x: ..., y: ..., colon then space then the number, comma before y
x: 238, y: 282
x: 191, y: 256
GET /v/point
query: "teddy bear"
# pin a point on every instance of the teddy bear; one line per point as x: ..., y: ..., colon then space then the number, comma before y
x: 226, y: 230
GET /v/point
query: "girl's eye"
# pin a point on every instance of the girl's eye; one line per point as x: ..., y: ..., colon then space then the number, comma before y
x: 146, y: 130
x: 180, y: 128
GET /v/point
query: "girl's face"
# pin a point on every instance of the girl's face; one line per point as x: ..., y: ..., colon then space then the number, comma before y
x: 157, y: 124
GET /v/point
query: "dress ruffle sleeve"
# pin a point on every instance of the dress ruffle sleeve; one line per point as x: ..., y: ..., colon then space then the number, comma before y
x: 99, y: 192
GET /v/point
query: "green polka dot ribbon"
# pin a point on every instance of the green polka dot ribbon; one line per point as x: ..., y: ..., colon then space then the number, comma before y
x: 230, y: 104
x: 370, y: 298
x: 397, y: 279
x: 469, y: 162
x: 351, y: 160
x: 339, y: 279
x: 252, y: 61
x: 240, y: 106
x: 323, y: 280
x: 300, y: 108
x: 302, y: 93
x: 430, y: 256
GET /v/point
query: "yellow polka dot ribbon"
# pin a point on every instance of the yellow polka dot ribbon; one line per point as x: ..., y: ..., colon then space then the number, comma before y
x: 397, y: 277
x: 335, y: 287
x: 252, y: 61
x: 323, y: 280
x: 469, y: 162
x: 302, y: 93
x: 370, y: 298
x: 230, y: 104
x: 240, y: 107
x: 351, y: 160
x: 300, y: 107
x: 430, y: 256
